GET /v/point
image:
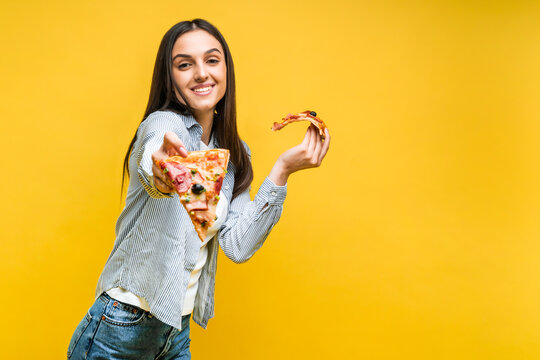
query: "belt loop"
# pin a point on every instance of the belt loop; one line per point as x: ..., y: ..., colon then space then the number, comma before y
x: 106, y: 297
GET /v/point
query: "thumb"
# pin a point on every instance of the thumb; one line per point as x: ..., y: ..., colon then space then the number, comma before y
x: 173, y: 145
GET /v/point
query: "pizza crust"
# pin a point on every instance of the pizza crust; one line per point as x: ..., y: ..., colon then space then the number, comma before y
x: 303, y: 116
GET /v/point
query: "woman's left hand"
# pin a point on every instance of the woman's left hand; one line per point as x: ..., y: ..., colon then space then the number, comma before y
x: 308, y: 154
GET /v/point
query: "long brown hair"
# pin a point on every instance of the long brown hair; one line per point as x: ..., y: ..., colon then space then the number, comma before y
x: 162, y: 97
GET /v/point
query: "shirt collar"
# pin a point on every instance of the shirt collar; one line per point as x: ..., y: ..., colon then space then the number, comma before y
x: 189, y: 121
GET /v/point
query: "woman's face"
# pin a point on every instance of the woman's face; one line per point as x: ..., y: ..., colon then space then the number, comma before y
x: 199, y: 70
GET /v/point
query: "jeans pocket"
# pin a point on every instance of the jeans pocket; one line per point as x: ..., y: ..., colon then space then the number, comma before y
x: 78, y: 333
x: 121, y: 314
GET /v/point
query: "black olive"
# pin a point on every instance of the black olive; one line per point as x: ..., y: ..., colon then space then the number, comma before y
x: 197, y: 188
x: 313, y: 113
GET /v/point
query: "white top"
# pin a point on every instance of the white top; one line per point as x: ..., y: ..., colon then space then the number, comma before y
x: 128, y: 297
x: 193, y: 284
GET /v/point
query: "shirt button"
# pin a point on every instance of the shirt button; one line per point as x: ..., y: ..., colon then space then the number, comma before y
x: 274, y: 193
x: 226, y: 187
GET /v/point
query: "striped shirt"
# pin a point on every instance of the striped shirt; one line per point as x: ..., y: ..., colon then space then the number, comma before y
x: 157, y: 247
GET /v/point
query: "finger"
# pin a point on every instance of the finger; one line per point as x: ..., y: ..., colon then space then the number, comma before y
x: 173, y: 145
x: 317, y: 150
x: 312, y: 140
x: 160, y: 180
x: 326, y: 145
x: 305, y: 141
x: 158, y: 173
x: 161, y: 186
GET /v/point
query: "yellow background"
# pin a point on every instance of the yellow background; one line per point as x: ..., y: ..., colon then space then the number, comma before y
x: 416, y: 239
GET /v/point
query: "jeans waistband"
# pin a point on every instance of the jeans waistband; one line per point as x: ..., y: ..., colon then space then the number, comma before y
x: 106, y: 298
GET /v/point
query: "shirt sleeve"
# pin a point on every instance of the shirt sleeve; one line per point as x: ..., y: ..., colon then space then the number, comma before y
x: 249, y: 222
x: 149, y: 139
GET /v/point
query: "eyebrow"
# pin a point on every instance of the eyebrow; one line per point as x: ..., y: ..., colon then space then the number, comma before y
x: 189, y: 56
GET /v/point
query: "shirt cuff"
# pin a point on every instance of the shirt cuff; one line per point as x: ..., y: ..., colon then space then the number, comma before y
x: 272, y: 193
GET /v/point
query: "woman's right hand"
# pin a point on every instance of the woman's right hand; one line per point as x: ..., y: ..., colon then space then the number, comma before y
x: 172, y: 145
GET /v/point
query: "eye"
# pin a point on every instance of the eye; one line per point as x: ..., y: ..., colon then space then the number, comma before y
x: 213, y: 61
x: 183, y: 65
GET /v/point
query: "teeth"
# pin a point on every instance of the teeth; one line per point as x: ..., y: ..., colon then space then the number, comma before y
x: 202, y: 89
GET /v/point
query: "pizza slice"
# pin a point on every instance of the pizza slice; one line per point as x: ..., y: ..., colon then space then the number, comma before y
x: 197, y: 179
x: 307, y: 115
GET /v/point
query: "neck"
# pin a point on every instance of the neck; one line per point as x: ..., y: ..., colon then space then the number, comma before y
x: 205, y: 119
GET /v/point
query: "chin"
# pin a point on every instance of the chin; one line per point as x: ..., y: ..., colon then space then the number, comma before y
x: 203, y: 106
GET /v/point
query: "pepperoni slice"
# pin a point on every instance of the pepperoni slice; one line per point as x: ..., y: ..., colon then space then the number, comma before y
x: 179, y: 175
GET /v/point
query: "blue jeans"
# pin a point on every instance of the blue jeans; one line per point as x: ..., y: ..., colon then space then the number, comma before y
x: 115, y: 330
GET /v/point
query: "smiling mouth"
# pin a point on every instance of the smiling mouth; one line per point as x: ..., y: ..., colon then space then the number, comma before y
x: 203, y: 90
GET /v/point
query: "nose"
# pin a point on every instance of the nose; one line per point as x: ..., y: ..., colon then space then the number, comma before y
x: 201, y: 73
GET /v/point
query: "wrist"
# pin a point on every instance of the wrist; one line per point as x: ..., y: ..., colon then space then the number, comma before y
x: 279, y: 173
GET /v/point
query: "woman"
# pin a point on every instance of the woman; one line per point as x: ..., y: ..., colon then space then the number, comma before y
x: 159, y: 273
